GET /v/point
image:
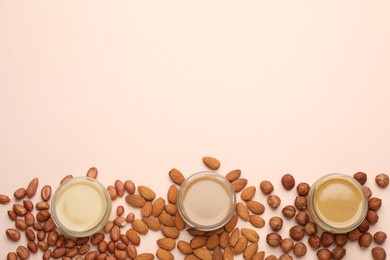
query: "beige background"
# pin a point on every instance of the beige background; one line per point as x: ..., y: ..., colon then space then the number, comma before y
x: 138, y: 87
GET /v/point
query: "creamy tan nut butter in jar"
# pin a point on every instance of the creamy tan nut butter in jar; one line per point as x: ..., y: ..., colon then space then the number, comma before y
x: 206, y: 201
x: 81, y: 207
x: 337, y: 203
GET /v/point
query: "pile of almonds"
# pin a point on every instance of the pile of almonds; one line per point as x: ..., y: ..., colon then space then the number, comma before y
x: 122, y: 235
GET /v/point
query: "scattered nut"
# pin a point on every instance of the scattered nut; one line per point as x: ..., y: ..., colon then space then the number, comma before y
x: 286, y: 244
x: 288, y: 181
x: 361, y: 177
x: 273, y: 239
x: 266, y: 187
x: 372, y: 217
x: 297, y: 232
x: 367, y: 192
x: 374, y: 204
x: 327, y: 239
x: 340, y: 239
x: 300, y: 203
x: 338, y: 253
x: 273, y: 201
x: 303, y: 189
x: 314, y: 242
x: 365, y: 240
x: 380, y: 237
x: 311, y: 228
x: 302, y: 218
x: 324, y: 254
x: 300, y: 249
x: 378, y: 253
x: 276, y: 223
x: 289, y: 211
x: 382, y: 180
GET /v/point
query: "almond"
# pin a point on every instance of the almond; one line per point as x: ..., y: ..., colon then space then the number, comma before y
x: 250, y: 234
x: 129, y: 186
x: 234, y: 237
x: 259, y: 256
x: 46, y: 193
x: 195, y: 232
x: 231, y: 224
x: 211, y: 162
x: 224, y: 239
x: 250, y: 251
x: 164, y: 254
x: 158, y: 206
x: 152, y: 223
x: 203, y: 254
x: 176, y: 176
x: 92, y: 173
x: 256, y: 221
x: 239, y: 184
x: 12, y: 234
x: 120, y: 188
x: 135, y: 200
x: 248, y: 193
x: 166, y: 243
x: 212, y: 242
x: 255, y: 207
x: 217, y: 254
x: 133, y: 236
x: 146, y: 193
x: 139, y: 226
x: 184, y: 247
x: 242, y: 211
x: 4, y: 199
x: 22, y: 252
x: 167, y: 220
x: 66, y: 178
x: 172, y: 194
x: 233, y: 175
x: 147, y: 209
x: 171, y: 209
x: 32, y: 187
x: 228, y: 254
x: 179, y: 221
x: 20, y: 193
x: 170, y: 232
x: 145, y: 256
x: 198, y: 241
x: 240, y: 245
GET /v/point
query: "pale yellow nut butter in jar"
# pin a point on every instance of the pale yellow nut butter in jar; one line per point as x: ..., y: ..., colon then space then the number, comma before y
x: 337, y: 203
x: 206, y: 201
x: 81, y: 207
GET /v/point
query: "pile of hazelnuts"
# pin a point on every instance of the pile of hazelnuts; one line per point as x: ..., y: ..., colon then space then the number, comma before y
x: 306, y: 227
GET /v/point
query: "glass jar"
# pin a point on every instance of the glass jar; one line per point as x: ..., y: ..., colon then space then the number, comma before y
x: 206, y: 201
x: 81, y: 207
x: 337, y: 203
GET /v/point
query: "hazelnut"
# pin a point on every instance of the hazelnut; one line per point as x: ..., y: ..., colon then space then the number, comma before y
x: 276, y: 223
x: 287, y: 244
x: 297, y: 232
x: 303, y: 189
x: 273, y: 239
x: 324, y: 254
x: 382, y: 180
x: 365, y: 240
x: 364, y: 226
x: 361, y: 177
x: 314, y: 241
x: 285, y: 257
x: 300, y: 249
x: 288, y: 181
x: 327, y: 239
x: 374, y: 204
x: 266, y: 187
x: 273, y: 201
x: 367, y: 191
x: 378, y: 253
x: 300, y: 203
x: 372, y: 217
x: 302, y: 218
x: 338, y: 253
x: 271, y: 257
x: 340, y: 239
x: 311, y: 228
x: 289, y: 211
x: 380, y: 237
x: 354, y: 235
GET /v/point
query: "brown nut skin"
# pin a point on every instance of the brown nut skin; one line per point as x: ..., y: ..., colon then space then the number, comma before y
x: 340, y: 239
x: 378, y: 253
x: 276, y: 223
x: 365, y: 240
x: 354, y: 235
x: 311, y: 228
x: 324, y: 254
x: 297, y: 232
x: 288, y: 181
x: 273, y: 201
x: 300, y: 249
x: 289, y: 211
x: 303, y: 189
x: 302, y: 218
x: 372, y: 217
x: 314, y: 242
x: 273, y: 239
x: 374, y: 204
x: 380, y: 237
x: 382, y: 180
x: 367, y: 192
x: 287, y: 244
x: 338, y: 253
x: 266, y: 187
x: 364, y: 226
x: 361, y: 177
x: 327, y: 239
x: 300, y: 203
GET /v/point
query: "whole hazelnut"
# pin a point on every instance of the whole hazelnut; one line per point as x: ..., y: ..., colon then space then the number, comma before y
x: 288, y: 181
x: 314, y: 242
x: 271, y: 257
x: 300, y: 203
x: 382, y: 180
x: 361, y: 177
x: 338, y: 253
x: 297, y: 232
x: 372, y: 217
x: 340, y: 239
x: 286, y: 244
x: 364, y: 226
x: 327, y: 239
x: 324, y: 254
x: 300, y: 249
x: 303, y: 189
x: 354, y: 235
x: 266, y: 187
x: 276, y: 223
x: 302, y: 218
x: 285, y: 257
x: 380, y: 237
x: 311, y: 228
x: 374, y: 204
x: 378, y: 253
x: 273, y: 239
x: 367, y: 191
x: 289, y: 211
x: 273, y: 201
x: 365, y: 240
